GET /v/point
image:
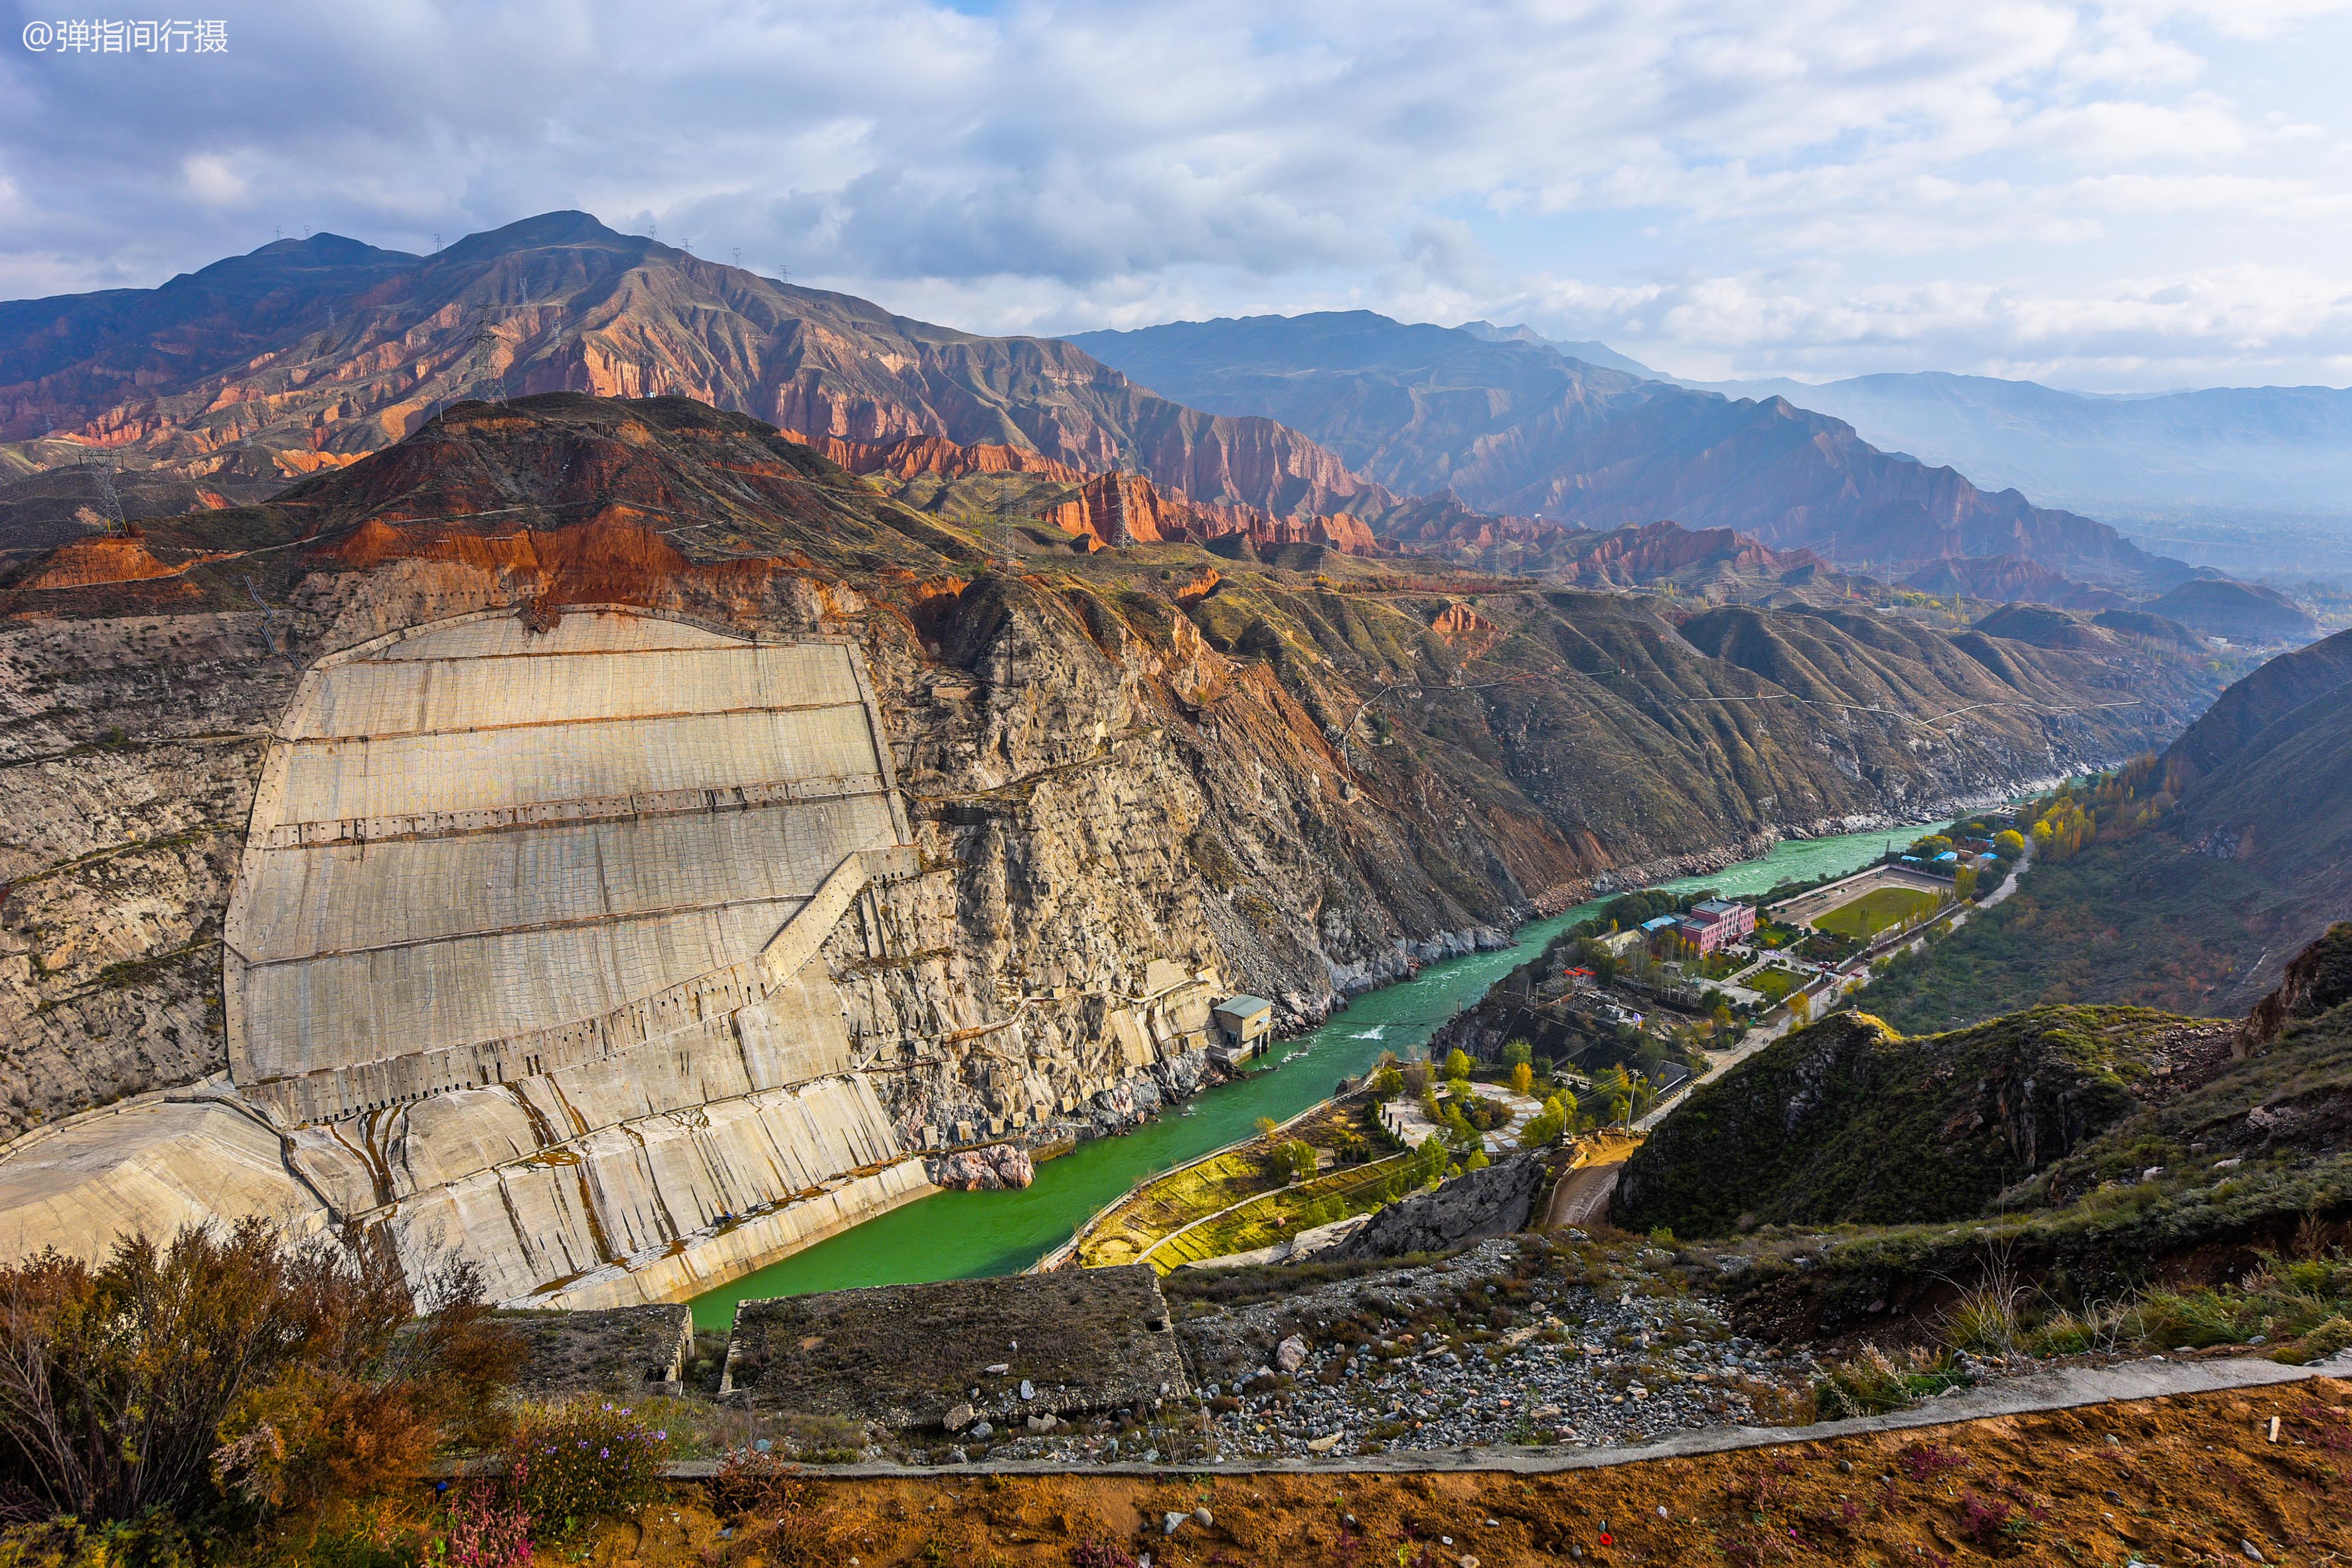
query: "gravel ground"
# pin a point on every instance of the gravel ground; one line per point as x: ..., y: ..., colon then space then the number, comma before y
x: 1515, y: 1340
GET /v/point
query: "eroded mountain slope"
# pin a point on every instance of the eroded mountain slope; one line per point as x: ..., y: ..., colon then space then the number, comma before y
x: 1310, y: 775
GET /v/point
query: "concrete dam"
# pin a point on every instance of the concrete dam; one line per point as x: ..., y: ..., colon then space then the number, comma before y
x: 523, y: 964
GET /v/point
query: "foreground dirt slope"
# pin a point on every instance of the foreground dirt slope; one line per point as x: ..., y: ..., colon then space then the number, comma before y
x: 2189, y: 1479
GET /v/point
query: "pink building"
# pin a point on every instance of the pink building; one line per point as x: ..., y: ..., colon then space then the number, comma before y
x: 1714, y: 923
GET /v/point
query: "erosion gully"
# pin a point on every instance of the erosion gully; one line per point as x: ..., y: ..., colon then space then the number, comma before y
x: 963, y: 1236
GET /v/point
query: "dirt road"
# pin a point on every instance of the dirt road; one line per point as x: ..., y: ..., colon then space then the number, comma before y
x: 1581, y: 1198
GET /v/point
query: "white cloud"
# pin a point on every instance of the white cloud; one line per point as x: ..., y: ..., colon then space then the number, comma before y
x: 1800, y: 179
x: 213, y: 180
x: 2149, y: 326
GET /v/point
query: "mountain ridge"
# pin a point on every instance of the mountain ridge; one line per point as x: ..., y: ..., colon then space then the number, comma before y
x: 2213, y: 861
x: 1514, y: 426
x: 333, y: 363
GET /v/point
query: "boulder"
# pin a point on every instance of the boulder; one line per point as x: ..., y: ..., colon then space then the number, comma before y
x: 1290, y: 1354
x: 2317, y: 979
x: 995, y: 1168
x: 1493, y: 1202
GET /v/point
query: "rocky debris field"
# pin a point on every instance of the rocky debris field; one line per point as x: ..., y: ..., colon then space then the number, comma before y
x: 1514, y: 1342
x: 1517, y: 1341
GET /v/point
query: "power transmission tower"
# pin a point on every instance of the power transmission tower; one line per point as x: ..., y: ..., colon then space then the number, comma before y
x: 437, y: 242
x: 480, y: 349
x: 120, y: 524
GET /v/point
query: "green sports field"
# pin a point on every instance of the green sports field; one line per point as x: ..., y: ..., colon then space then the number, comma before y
x: 1876, y: 911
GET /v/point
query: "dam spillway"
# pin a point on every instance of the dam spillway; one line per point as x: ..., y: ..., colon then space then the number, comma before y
x: 522, y: 963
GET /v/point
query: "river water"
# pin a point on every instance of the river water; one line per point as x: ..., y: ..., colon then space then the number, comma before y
x: 960, y: 1236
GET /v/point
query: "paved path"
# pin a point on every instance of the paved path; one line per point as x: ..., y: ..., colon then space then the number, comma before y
x: 1755, y: 1040
x: 2051, y: 1388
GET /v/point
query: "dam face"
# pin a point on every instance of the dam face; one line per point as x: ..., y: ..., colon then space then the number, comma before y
x: 521, y: 963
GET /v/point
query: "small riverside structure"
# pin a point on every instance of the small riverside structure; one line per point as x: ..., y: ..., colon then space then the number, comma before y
x: 1248, y: 1023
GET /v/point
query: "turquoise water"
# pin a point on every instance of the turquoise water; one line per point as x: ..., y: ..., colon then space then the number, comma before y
x: 960, y: 1236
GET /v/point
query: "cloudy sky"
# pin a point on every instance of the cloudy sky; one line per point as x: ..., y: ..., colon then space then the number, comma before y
x: 2125, y: 196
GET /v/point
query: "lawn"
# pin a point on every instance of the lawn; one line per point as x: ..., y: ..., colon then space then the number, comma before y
x: 1877, y: 910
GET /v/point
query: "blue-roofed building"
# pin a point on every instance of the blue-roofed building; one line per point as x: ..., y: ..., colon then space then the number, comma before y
x: 1664, y: 922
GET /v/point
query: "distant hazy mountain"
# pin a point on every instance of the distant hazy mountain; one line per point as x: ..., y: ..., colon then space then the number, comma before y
x: 2242, y: 612
x: 1589, y: 351
x: 1514, y: 425
x: 2276, y: 460
x: 2249, y: 479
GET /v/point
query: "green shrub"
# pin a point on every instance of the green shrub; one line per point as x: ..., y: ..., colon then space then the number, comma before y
x: 1541, y: 1130
x: 2171, y: 1319
x: 2324, y: 1341
x: 585, y: 1461
x: 1872, y: 1382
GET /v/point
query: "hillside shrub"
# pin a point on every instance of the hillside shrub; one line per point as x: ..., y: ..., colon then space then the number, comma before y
x: 781, y: 1520
x: 582, y: 1461
x: 1872, y: 1382
x: 234, y: 1366
x: 485, y: 1527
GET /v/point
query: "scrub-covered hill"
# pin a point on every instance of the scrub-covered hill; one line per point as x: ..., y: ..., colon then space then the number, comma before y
x: 2085, y: 1149
x: 1848, y: 1122
x: 2212, y: 865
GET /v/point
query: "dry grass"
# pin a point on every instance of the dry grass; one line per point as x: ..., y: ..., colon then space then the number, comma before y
x: 2173, y: 1480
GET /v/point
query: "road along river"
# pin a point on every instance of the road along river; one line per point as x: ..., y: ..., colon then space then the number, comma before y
x: 959, y: 1235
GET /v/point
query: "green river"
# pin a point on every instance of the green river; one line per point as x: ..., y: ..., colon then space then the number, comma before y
x: 960, y: 1236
